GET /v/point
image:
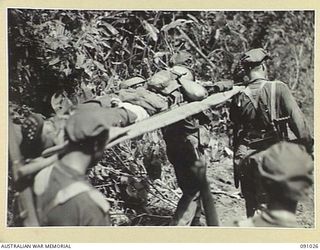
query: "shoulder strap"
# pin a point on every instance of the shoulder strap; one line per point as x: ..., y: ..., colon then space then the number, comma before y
x: 273, y: 101
x: 41, y: 180
x: 72, y: 191
x: 248, y: 92
x: 66, y: 194
x: 100, y: 200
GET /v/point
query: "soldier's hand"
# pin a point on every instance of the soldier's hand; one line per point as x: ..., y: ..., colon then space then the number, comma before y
x: 175, y: 98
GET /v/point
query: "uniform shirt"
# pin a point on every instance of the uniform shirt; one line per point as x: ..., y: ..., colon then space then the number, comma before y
x: 116, y: 117
x: 285, y: 105
x: 184, y: 128
x: 80, y: 210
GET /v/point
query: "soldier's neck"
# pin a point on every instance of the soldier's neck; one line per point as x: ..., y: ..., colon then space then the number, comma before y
x: 257, y: 75
x: 77, y: 161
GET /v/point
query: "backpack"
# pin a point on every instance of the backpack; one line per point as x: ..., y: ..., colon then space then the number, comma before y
x: 257, y: 117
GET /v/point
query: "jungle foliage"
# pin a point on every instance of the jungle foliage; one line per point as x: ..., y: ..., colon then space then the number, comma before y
x: 51, y: 50
x: 69, y: 50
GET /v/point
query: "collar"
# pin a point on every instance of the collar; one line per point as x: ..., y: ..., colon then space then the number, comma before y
x: 65, y: 169
x: 257, y: 79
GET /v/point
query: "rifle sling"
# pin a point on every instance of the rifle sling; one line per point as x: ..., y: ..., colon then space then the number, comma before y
x: 248, y: 92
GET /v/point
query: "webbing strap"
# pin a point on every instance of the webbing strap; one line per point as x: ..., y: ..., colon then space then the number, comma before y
x: 273, y: 101
x: 248, y: 92
x: 41, y: 180
x: 73, y: 190
x: 99, y: 200
x: 66, y: 194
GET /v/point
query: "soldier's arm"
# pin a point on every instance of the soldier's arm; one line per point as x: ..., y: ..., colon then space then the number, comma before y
x: 297, y: 122
x: 235, y: 119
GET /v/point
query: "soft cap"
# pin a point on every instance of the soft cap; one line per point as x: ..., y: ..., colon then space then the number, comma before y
x: 87, y: 123
x: 289, y: 167
x: 254, y: 56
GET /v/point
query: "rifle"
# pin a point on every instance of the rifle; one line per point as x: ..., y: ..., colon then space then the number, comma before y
x: 281, y: 127
x: 236, y: 171
x: 25, y: 201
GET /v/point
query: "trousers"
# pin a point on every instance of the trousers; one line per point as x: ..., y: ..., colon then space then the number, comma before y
x: 251, y: 187
x: 183, y: 152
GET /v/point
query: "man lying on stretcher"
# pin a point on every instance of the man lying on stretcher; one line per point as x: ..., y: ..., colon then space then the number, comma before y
x: 136, y: 100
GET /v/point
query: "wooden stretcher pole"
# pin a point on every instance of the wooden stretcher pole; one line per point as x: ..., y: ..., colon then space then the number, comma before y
x: 118, y: 135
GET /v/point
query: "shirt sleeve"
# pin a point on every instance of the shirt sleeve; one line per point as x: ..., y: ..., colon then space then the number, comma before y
x: 297, y: 122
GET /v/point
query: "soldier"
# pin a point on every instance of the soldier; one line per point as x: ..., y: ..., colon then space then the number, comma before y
x: 36, y: 134
x: 184, y: 148
x: 63, y: 195
x: 261, y: 114
x: 37, y: 138
x: 285, y: 170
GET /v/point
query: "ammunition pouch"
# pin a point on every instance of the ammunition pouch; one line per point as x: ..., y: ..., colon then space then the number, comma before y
x: 260, y: 139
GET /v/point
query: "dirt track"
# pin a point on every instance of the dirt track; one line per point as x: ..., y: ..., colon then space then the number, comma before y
x: 230, y: 206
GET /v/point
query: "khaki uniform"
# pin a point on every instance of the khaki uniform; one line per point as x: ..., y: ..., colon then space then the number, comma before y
x: 183, y: 150
x: 252, y: 123
x: 64, y: 198
x: 286, y: 173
